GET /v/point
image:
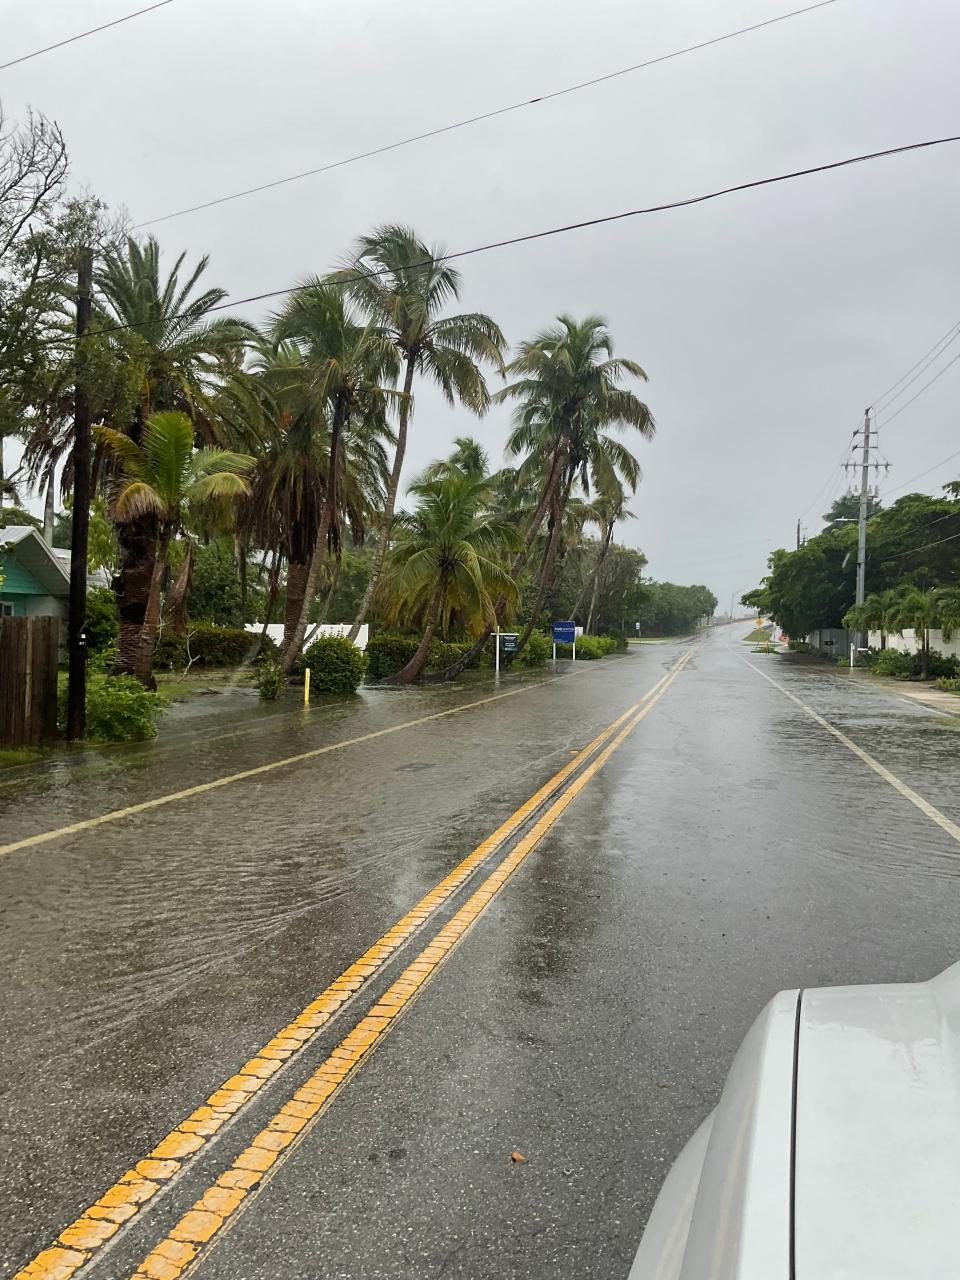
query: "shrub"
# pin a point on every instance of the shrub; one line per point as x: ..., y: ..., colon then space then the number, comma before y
x: 119, y: 709
x: 336, y: 665
x: 444, y: 652
x: 891, y: 662
x: 271, y: 678
x: 939, y: 666
x: 949, y: 684
x: 799, y: 646
x: 536, y: 651
x: 388, y: 653
x: 210, y: 646
x: 589, y: 648
x: 842, y: 662
x: 102, y: 626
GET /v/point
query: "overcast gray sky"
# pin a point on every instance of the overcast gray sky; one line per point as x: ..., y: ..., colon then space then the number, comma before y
x: 766, y: 321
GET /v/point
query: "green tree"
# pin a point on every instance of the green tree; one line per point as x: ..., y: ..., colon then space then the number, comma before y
x: 403, y: 286
x: 448, y: 556
x: 875, y: 614
x: 177, y: 357
x: 568, y: 397
x: 846, y: 510
x: 159, y: 479
x: 351, y: 367
x: 918, y: 611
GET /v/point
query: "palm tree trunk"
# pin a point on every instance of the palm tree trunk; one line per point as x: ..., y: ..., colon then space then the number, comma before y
x: 557, y: 464
x: 148, y: 638
x: 271, y: 600
x: 419, y: 659
x: 242, y: 572
x: 329, y: 532
x: 177, y: 595
x: 325, y: 608
x: 137, y: 543
x: 597, y: 576
x: 390, y: 500
x: 546, y: 576
x: 49, y: 510
x: 297, y: 571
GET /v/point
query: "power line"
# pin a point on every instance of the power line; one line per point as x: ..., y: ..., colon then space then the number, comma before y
x: 916, y: 550
x: 83, y: 35
x: 936, y: 466
x: 486, y: 115
x: 916, y: 396
x: 429, y: 263
x: 952, y: 333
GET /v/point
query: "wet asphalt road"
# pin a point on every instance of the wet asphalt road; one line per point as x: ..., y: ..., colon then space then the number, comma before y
x: 728, y: 849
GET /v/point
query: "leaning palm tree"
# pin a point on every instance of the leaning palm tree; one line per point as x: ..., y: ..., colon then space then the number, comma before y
x: 403, y: 286
x: 948, y: 611
x: 350, y: 370
x: 568, y: 396
x: 174, y: 357
x: 448, y: 557
x: 918, y: 610
x: 159, y: 481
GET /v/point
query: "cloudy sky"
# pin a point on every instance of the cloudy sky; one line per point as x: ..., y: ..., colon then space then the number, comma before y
x: 766, y: 321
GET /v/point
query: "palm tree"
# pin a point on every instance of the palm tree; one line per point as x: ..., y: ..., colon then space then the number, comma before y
x: 468, y: 457
x: 448, y: 556
x: 159, y: 480
x: 174, y: 356
x: 607, y: 510
x: 948, y: 610
x: 874, y: 614
x: 402, y: 286
x: 568, y: 394
x: 349, y: 367
x: 918, y: 611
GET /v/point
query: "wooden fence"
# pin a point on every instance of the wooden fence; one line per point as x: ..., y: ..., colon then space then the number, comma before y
x: 28, y: 681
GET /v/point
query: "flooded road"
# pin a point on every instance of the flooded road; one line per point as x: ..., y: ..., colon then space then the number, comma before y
x: 585, y: 1018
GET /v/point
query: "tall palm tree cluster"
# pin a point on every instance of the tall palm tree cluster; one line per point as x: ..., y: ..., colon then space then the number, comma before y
x: 290, y: 438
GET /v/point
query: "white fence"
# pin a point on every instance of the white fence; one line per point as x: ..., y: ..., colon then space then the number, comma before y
x: 908, y: 642
x: 275, y: 631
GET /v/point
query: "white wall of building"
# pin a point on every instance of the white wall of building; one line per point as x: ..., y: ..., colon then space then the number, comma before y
x: 275, y: 631
x: 908, y: 642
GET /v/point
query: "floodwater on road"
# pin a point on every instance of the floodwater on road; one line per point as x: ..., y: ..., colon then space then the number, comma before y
x: 727, y: 848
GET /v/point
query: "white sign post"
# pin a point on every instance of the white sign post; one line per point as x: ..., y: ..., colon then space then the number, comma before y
x: 496, y: 660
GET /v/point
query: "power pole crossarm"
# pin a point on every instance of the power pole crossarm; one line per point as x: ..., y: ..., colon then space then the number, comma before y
x: 77, y: 653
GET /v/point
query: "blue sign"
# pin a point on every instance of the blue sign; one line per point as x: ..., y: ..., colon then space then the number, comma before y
x: 564, y: 632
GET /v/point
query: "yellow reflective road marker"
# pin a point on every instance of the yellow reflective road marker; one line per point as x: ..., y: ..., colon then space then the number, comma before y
x: 158, y: 1170
x: 907, y: 792
x: 180, y: 1251
x: 306, y: 686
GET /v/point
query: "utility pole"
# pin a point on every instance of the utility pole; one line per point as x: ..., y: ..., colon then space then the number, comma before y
x: 862, y: 525
x: 77, y: 649
x: 798, y: 535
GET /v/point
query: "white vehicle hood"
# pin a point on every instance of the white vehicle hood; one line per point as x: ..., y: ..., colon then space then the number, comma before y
x: 834, y: 1153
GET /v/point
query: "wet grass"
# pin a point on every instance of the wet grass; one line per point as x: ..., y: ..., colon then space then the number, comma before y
x: 10, y: 757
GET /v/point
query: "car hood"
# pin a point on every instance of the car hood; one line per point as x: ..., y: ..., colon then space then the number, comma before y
x: 834, y: 1153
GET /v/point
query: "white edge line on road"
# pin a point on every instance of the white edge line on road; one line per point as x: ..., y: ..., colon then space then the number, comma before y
x: 907, y: 792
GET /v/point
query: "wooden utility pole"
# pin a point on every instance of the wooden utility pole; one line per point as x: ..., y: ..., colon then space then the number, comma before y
x: 77, y: 646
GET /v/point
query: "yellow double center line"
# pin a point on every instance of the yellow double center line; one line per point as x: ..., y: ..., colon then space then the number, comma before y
x: 98, y: 1224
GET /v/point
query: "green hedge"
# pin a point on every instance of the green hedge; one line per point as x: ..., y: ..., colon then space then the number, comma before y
x: 210, y: 646
x: 388, y: 653
x: 536, y: 651
x: 119, y: 709
x: 906, y: 666
x: 336, y: 665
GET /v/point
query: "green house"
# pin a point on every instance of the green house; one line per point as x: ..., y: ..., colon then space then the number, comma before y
x: 34, y: 582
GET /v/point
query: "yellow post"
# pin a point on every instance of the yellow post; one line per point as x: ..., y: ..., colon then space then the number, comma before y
x: 306, y: 686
